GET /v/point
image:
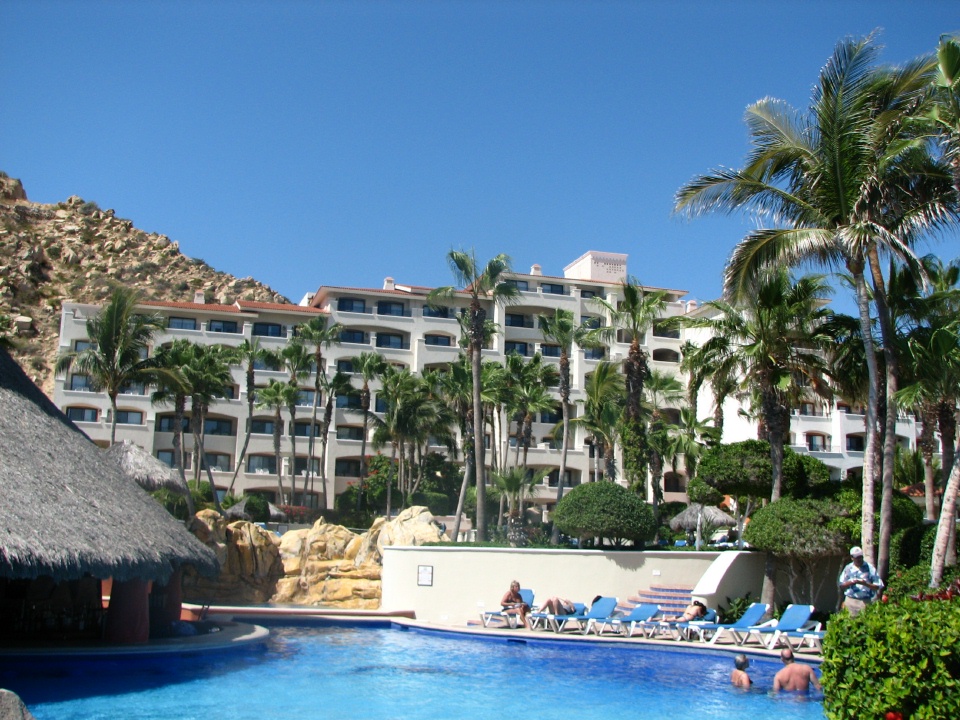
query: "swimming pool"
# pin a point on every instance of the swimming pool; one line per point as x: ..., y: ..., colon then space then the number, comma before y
x: 363, y: 672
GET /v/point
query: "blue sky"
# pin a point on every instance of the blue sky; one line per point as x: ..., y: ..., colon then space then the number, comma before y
x: 310, y: 143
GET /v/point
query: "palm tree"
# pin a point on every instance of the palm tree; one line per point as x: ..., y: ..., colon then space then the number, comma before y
x: 772, y: 339
x: 944, y: 112
x: 633, y: 316
x: 207, y: 376
x: 662, y: 390
x: 337, y: 384
x: 173, y: 389
x: 247, y: 354
x: 843, y: 182
x: 691, y: 437
x: 276, y: 396
x: 456, y: 387
x: 561, y: 329
x: 297, y: 361
x: 602, y: 410
x: 368, y: 366
x: 404, y: 397
x: 120, y: 338
x: 319, y: 333
x: 482, y: 283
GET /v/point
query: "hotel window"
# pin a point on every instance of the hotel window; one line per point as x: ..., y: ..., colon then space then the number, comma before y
x: 165, y: 423
x: 594, y: 353
x: 663, y: 330
x: 133, y: 388
x: 587, y: 294
x: 438, y: 340
x: 380, y: 406
x: 349, y: 432
x: 302, y: 429
x: 553, y: 289
x: 515, y: 347
x: 129, y: 417
x: 436, y: 312
x: 520, y: 285
x: 300, y: 466
x: 855, y: 443
x: 166, y: 457
x: 181, y: 323
x: 817, y: 443
x: 81, y: 345
x: 389, y: 340
x: 230, y: 392
x: 78, y: 414
x: 351, y: 400
x: 305, y: 398
x: 517, y: 320
x: 267, y: 363
x: 262, y: 464
x: 550, y: 350
x: 345, y: 366
x: 217, y: 426
x: 590, y: 322
x: 347, y: 468
x: 223, y: 326
x: 667, y: 356
x: 81, y: 382
x: 353, y: 336
x: 550, y: 417
x: 261, y: 426
x: 217, y: 462
x: 351, y: 305
x: 388, y: 307
x: 554, y: 477
x: 263, y: 329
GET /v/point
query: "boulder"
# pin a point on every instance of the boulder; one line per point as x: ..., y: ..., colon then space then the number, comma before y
x: 12, y: 707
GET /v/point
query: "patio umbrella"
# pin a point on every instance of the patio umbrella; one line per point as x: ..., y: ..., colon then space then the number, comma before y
x: 144, y: 469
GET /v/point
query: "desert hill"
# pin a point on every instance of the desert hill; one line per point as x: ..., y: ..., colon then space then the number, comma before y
x: 73, y: 250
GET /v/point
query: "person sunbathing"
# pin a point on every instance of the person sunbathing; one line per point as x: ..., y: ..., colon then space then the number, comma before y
x: 558, y: 606
x: 695, y: 611
x: 512, y: 604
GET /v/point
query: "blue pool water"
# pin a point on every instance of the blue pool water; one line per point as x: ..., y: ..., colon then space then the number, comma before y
x: 387, y: 673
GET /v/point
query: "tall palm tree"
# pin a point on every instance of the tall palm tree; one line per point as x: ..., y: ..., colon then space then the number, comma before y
x: 173, y: 389
x: 337, y: 384
x: 456, y: 387
x: 771, y: 339
x: 276, y: 396
x: 318, y: 333
x: 297, y: 361
x: 602, y: 410
x: 368, y: 366
x: 561, y: 329
x: 207, y: 377
x: 662, y: 390
x: 248, y: 354
x: 404, y: 397
x: 483, y: 283
x: 633, y: 316
x: 120, y: 337
x: 843, y: 182
x: 944, y: 111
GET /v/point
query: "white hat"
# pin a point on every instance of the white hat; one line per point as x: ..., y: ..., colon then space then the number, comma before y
x: 856, y: 551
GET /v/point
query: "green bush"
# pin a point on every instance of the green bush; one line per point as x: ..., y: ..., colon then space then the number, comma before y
x: 606, y: 510
x: 903, y: 584
x: 257, y: 508
x: 437, y: 503
x: 897, y: 658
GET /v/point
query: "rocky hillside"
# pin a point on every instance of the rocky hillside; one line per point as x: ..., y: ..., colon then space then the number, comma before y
x: 75, y: 251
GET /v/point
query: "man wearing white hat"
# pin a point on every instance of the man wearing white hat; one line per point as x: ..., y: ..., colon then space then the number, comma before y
x: 859, y: 582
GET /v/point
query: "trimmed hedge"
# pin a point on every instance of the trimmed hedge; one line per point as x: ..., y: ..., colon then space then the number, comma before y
x: 900, y: 659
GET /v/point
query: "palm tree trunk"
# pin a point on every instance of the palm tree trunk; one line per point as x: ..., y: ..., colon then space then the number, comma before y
x: 365, y: 406
x: 113, y: 418
x: 179, y: 407
x: 325, y: 430
x: 277, y: 424
x: 565, y: 408
x: 251, y: 397
x: 946, y: 526
x: 467, y: 465
x: 926, y: 442
x: 393, y: 465
x: 478, y: 449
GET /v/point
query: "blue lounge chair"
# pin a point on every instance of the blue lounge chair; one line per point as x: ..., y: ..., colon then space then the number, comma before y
x: 507, y: 618
x: 621, y: 622
x: 809, y: 635
x: 751, y: 616
x: 601, y: 609
x: 793, y: 618
x: 549, y: 620
x: 674, y: 628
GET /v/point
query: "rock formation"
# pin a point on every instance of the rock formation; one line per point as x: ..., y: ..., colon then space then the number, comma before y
x: 322, y: 565
x: 12, y: 707
x: 74, y: 250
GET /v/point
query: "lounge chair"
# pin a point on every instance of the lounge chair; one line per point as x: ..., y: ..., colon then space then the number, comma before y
x: 751, y: 616
x: 620, y: 622
x: 809, y: 634
x: 674, y: 628
x: 549, y: 620
x: 793, y: 619
x: 508, y: 619
x: 601, y: 609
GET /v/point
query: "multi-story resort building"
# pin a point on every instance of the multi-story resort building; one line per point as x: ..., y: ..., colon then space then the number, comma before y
x: 397, y: 322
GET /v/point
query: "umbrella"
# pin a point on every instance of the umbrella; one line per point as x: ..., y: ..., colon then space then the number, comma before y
x: 239, y: 511
x: 144, y: 469
x: 714, y: 516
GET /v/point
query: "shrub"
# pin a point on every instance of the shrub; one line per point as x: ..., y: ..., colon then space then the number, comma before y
x: 257, y: 508
x: 605, y: 510
x: 437, y: 503
x: 894, y: 658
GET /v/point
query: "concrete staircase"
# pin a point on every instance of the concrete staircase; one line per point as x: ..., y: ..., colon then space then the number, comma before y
x: 672, y: 599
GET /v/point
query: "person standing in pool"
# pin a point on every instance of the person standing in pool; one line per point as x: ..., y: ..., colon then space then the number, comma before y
x: 739, y: 675
x: 512, y: 604
x: 793, y: 676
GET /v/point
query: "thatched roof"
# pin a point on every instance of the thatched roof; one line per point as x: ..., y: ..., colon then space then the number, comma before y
x: 714, y: 516
x: 65, y: 510
x: 144, y: 469
x: 238, y: 511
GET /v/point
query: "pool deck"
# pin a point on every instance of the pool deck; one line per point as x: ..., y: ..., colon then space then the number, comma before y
x: 239, y: 629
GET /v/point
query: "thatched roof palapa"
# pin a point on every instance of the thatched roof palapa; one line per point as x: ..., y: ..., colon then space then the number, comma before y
x: 714, y: 516
x: 144, y: 469
x: 66, y: 510
x: 238, y: 511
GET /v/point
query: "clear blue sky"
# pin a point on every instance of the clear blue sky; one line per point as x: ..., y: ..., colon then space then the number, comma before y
x: 309, y: 143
